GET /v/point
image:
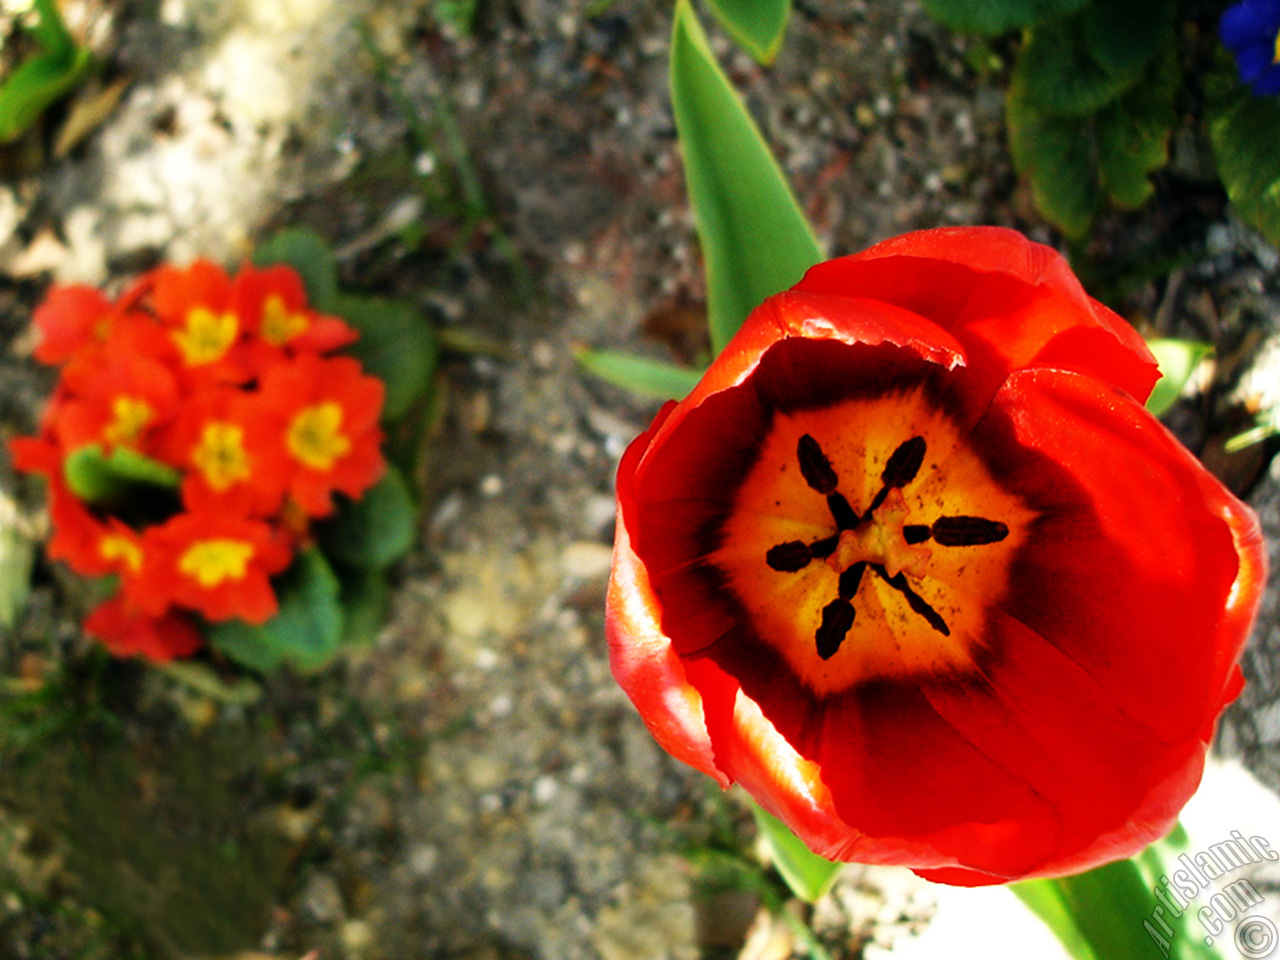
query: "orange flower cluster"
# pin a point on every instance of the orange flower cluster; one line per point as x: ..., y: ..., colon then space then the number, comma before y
x: 224, y: 384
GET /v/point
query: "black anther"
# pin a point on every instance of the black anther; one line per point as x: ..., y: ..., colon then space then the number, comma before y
x: 968, y: 531
x: 789, y: 557
x: 916, y: 532
x: 837, y: 618
x: 916, y: 602
x: 850, y: 580
x: 815, y: 467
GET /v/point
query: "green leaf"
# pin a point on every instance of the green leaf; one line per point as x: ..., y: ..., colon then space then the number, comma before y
x: 306, y: 631
x: 17, y: 557
x: 365, y: 598
x: 376, y: 530
x: 992, y: 17
x: 1078, y: 65
x: 1075, y: 163
x: 758, y: 25
x: 96, y: 478
x: 49, y: 30
x: 1109, y: 913
x: 1132, y: 134
x: 808, y: 875
x: 459, y: 14
x: 397, y: 345
x: 309, y: 254
x: 653, y: 378
x: 755, y: 239
x: 1245, y: 132
x: 1055, y: 155
x: 37, y: 83
x: 1178, y: 359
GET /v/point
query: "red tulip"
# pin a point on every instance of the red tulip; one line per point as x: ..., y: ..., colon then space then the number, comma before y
x: 914, y: 566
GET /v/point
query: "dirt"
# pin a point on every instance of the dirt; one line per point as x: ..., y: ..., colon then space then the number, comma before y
x: 473, y: 784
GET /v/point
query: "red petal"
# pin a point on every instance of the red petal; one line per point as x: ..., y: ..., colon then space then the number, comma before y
x: 1144, y: 570
x: 66, y: 321
x: 647, y: 667
x: 1012, y: 303
x: 127, y: 632
x: 830, y: 318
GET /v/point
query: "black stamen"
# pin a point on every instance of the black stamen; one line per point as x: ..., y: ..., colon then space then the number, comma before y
x: 916, y: 532
x: 904, y: 463
x: 821, y: 549
x: 815, y: 467
x: 914, y: 600
x: 841, y: 512
x: 968, y: 531
x: 901, y: 468
x: 850, y: 580
x: 789, y: 557
x: 837, y: 618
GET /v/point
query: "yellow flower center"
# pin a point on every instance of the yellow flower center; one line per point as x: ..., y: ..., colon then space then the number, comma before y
x: 279, y: 326
x: 315, y: 436
x: 210, y: 562
x: 115, y: 546
x: 882, y: 540
x: 220, y: 455
x: 869, y: 541
x: 206, y: 336
x: 1276, y: 57
x: 129, y: 417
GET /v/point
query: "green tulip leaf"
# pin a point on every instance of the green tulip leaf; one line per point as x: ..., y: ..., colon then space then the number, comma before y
x: 306, y: 631
x: 376, y: 530
x: 43, y: 78
x: 992, y: 17
x: 758, y: 25
x: 755, y: 239
x: 807, y: 875
x: 35, y: 85
x: 652, y: 378
x: 1108, y: 913
x: 1178, y: 359
x: 397, y: 345
x: 1244, y: 130
x: 308, y: 253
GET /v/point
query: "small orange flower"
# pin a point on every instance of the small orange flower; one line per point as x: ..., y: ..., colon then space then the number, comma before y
x: 194, y: 304
x: 129, y: 397
x: 127, y: 632
x: 326, y: 414
x: 272, y: 303
x: 69, y: 318
x: 214, y: 564
x: 231, y: 459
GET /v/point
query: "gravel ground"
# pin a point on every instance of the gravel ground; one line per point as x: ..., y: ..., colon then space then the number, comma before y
x: 474, y: 785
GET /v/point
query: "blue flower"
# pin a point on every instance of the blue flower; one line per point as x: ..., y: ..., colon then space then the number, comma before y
x: 1251, y: 30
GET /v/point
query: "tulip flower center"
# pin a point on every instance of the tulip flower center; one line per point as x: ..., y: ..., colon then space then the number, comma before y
x: 869, y: 541
x: 876, y: 540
